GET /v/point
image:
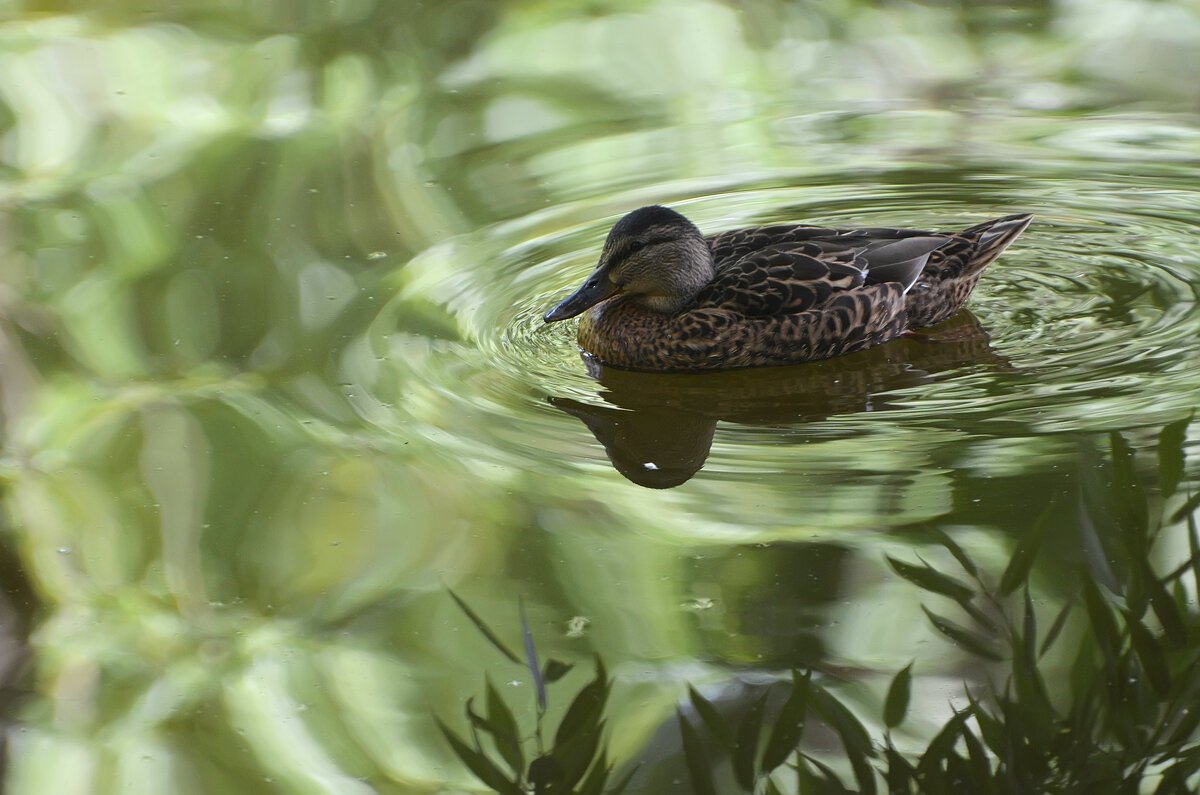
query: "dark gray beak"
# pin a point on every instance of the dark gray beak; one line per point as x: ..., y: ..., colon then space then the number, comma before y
x: 593, y: 291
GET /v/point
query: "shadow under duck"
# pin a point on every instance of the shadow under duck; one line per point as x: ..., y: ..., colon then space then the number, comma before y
x: 665, y: 298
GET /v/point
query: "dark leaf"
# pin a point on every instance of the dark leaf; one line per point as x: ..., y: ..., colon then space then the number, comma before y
x: 992, y: 729
x: 584, y: 713
x: 554, y: 670
x: 1056, y: 628
x: 1154, y: 662
x: 789, y: 724
x: 930, y: 579
x: 1164, y: 606
x: 716, y: 725
x: 981, y: 763
x: 899, y: 774
x: 1171, y: 455
x: 745, y: 746
x: 968, y: 640
x: 940, y: 748
x: 854, y: 737
x: 505, y: 734
x: 545, y: 773
x: 697, y: 759
x: 895, y: 706
x: 1023, y: 556
x: 1030, y: 687
x: 479, y: 764
x: 576, y: 753
x: 1128, y: 497
x: 830, y: 784
x: 482, y: 627
x: 531, y: 662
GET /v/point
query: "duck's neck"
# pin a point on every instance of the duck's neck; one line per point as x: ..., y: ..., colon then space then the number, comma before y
x: 687, y: 268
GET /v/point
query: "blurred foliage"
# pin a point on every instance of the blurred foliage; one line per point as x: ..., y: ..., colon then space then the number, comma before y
x: 1125, y: 721
x: 254, y: 415
x: 576, y: 763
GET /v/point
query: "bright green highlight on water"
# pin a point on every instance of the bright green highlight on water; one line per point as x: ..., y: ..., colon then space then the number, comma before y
x: 273, y: 376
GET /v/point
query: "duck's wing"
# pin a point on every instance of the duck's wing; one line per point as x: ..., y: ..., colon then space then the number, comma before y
x: 815, y: 264
x: 783, y: 279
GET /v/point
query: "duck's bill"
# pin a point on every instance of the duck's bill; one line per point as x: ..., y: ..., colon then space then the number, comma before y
x: 593, y: 291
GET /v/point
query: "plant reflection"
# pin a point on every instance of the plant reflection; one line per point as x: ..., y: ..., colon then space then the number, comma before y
x: 658, y: 428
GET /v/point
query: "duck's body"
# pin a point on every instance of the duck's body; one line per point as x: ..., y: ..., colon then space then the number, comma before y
x: 664, y: 298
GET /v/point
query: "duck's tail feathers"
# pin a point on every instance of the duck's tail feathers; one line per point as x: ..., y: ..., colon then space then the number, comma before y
x: 990, y: 238
x: 900, y: 261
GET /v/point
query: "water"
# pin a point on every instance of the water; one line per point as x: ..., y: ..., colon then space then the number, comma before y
x: 275, y: 374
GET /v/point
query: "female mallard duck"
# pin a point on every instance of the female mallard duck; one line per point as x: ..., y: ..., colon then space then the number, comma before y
x: 665, y: 298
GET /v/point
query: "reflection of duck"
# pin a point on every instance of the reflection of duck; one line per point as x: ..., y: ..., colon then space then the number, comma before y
x: 664, y: 298
x: 658, y: 428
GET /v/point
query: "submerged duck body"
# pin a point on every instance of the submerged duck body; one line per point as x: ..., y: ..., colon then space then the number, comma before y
x: 665, y: 298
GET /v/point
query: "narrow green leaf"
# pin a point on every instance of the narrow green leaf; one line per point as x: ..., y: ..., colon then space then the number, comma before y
x: 597, y: 776
x: 531, y: 662
x: 930, y: 579
x: 1187, y: 509
x: 1056, y: 628
x: 554, y: 670
x: 484, y: 628
x: 789, y: 724
x: 745, y: 746
x: 968, y: 640
x: 480, y: 765
x: 1194, y: 548
x: 623, y: 783
x: 1154, y: 662
x: 895, y: 706
x: 1164, y: 606
x: 716, y: 725
x: 1171, y: 455
x: 697, y: 759
x: 1104, y: 625
x: 959, y: 554
x: 506, y: 735
x: 1023, y: 556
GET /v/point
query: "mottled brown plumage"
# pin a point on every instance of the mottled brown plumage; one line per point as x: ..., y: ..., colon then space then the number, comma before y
x: 665, y: 298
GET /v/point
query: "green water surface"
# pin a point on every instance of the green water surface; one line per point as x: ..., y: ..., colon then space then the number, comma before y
x: 274, y: 375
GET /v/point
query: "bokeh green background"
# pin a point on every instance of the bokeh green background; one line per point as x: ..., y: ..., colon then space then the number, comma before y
x: 272, y: 378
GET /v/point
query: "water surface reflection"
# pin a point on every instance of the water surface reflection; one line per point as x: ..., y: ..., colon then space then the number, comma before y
x: 657, y: 428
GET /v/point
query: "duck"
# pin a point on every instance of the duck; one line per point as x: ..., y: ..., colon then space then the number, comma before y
x: 665, y: 298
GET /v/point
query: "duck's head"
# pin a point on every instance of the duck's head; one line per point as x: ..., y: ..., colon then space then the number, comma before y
x: 653, y: 255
